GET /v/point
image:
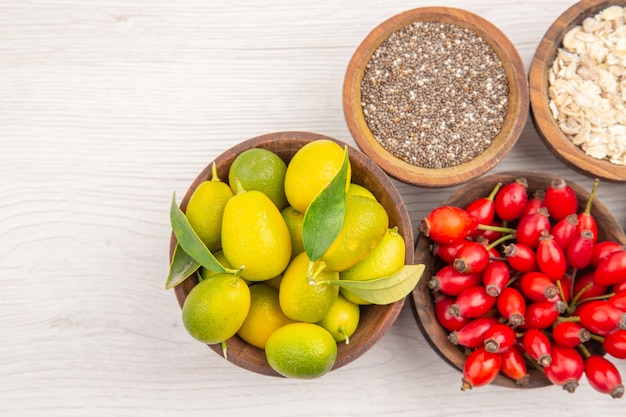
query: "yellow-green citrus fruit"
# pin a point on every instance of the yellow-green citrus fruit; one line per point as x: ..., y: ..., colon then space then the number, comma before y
x: 385, y: 260
x: 310, y: 170
x: 274, y: 282
x: 294, y: 220
x: 364, y: 225
x: 204, y: 273
x: 215, y: 308
x: 350, y: 296
x: 356, y: 189
x: 205, y: 209
x: 301, y: 350
x: 301, y: 300
x: 342, y: 319
x: 255, y: 236
x: 264, y: 317
x: 262, y: 170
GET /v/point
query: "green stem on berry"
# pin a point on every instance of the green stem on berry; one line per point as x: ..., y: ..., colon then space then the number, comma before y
x: 574, y: 302
x: 571, y: 284
x: 591, y: 196
x: 598, y: 297
x: 494, y: 191
x: 512, y: 280
x: 500, y: 240
x: 596, y: 337
x: 533, y: 363
x: 561, y: 293
x: 492, y: 228
x: 584, y: 350
x: 570, y: 318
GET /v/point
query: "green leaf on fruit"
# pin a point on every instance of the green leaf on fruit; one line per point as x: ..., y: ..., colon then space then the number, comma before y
x: 324, y: 217
x: 189, y: 240
x: 385, y: 290
x: 181, y: 268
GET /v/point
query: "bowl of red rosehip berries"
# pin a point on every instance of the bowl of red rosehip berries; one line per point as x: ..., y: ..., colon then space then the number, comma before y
x: 525, y: 284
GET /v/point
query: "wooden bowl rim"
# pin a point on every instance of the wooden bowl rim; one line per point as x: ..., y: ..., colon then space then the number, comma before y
x: 541, y: 115
x: 510, y: 132
x: 241, y: 353
x: 419, y: 295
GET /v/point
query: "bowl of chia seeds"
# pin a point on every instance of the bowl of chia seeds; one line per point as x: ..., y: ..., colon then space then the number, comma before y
x: 436, y: 96
x: 578, y: 91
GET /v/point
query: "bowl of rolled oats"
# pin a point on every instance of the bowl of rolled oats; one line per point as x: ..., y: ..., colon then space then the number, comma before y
x: 436, y: 96
x: 578, y: 90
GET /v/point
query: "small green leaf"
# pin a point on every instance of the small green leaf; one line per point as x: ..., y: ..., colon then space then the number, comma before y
x: 324, y: 217
x: 181, y: 268
x: 189, y: 240
x: 385, y: 290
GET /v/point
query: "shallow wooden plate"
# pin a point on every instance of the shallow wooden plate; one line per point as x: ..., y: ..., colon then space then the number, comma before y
x: 514, y: 122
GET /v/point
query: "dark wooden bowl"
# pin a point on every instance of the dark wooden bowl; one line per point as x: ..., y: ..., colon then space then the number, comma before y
x: 514, y: 121
x: 375, y: 319
x: 546, y: 126
x: 422, y: 298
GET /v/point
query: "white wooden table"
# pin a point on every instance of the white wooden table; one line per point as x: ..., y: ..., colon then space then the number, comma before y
x: 106, y: 109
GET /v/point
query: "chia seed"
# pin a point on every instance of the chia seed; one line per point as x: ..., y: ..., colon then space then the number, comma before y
x: 434, y: 94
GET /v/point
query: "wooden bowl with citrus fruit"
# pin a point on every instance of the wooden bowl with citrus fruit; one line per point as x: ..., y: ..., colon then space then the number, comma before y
x: 375, y: 319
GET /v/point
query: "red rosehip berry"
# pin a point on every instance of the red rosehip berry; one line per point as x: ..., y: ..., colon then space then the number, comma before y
x: 611, y: 269
x: 520, y: 257
x: 472, y: 302
x: 514, y: 366
x: 534, y: 203
x: 472, y: 335
x: 448, y: 322
x: 601, y: 318
x: 496, y: 276
x: 570, y: 334
x: 536, y: 286
x: 481, y: 368
x: 585, y: 220
x: 473, y: 257
x: 537, y: 345
x: 530, y: 228
x: 603, y: 249
x: 483, y: 209
x: 447, y: 252
x: 452, y: 282
x: 560, y: 199
x: 580, y: 250
x: 499, y: 338
x: 511, y: 200
x: 550, y: 258
x: 615, y: 344
x: 542, y: 314
x: 512, y: 306
x: 603, y: 376
x: 565, y: 230
x: 447, y: 224
x: 566, y: 368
